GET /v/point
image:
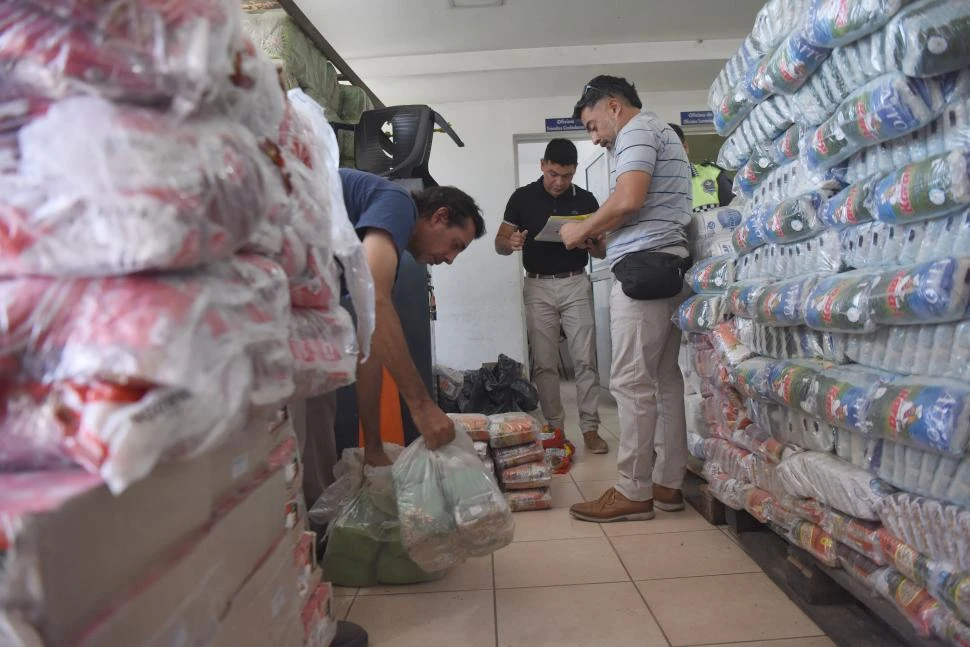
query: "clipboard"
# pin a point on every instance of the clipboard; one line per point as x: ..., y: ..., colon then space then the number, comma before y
x: 550, y: 233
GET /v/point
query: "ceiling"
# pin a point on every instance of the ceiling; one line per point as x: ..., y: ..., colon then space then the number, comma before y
x: 423, y: 51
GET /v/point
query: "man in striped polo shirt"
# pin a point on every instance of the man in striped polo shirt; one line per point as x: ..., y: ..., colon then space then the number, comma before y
x: 645, y: 220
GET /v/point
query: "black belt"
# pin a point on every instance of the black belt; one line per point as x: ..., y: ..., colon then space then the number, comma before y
x: 561, y: 275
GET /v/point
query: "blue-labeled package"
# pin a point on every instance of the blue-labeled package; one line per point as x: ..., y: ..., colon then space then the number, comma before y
x: 925, y: 412
x: 790, y: 65
x: 791, y: 381
x: 711, y: 275
x: 929, y: 38
x: 752, y: 377
x: 885, y: 108
x: 750, y: 234
x: 840, y: 396
x: 742, y: 297
x: 933, y: 292
x: 838, y: 22
x: 783, y: 304
x: 923, y: 190
x: 849, y: 206
x: 700, y: 313
x: 734, y: 107
x: 840, y: 303
x: 795, y: 219
x: 786, y: 148
x: 755, y: 170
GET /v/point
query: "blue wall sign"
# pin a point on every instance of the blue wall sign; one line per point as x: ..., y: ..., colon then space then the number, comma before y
x: 696, y: 117
x: 560, y: 124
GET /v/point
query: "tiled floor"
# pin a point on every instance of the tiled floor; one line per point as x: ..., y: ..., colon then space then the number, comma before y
x: 673, y: 581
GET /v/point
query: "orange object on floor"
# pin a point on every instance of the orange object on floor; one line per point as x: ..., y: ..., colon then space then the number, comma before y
x: 392, y: 419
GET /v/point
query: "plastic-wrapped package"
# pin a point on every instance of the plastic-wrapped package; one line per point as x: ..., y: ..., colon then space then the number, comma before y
x: 150, y: 53
x: 324, y: 350
x: 560, y: 459
x: 82, y: 211
x: 841, y: 395
x: 760, y: 442
x: 834, y: 483
x: 519, y: 455
x: 923, y: 190
x: 700, y: 313
x: 449, y: 506
x: 934, y: 528
x: 883, y: 109
x: 840, y: 303
x: 715, y: 224
x: 123, y: 372
x: 834, y: 22
x: 480, y: 448
x: 943, y: 580
x: 926, y: 412
x: 758, y: 503
x: 860, y: 567
x: 793, y: 426
x: 934, y: 292
x: 732, y: 110
x: 752, y: 377
x: 755, y: 170
x: 922, y: 471
x: 728, y: 490
x: 766, y: 123
x: 791, y: 381
x: 363, y: 530
x: 512, y: 429
x: 728, y: 346
x: 476, y: 424
x: 724, y: 456
x: 929, y: 38
x: 785, y: 148
x: 523, y: 500
x: 913, y: 601
x: 816, y: 541
x: 848, y: 207
x: 950, y: 629
x: 795, y: 219
x: 695, y: 445
x: 750, y: 234
x: 862, y: 536
x: 711, y: 275
x: 820, y: 254
x: 790, y: 65
x: 783, y: 304
x: 526, y: 477
x: 742, y: 297
x: 797, y: 342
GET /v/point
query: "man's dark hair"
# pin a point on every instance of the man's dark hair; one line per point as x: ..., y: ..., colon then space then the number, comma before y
x: 460, y: 205
x: 561, y: 151
x: 604, y: 86
x: 680, y: 133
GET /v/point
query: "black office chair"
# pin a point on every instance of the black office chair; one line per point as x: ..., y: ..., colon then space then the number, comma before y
x: 395, y: 142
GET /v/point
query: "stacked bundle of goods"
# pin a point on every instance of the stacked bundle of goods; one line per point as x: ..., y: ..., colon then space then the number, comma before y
x: 520, y: 460
x: 841, y: 317
x: 476, y: 426
x: 153, y: 178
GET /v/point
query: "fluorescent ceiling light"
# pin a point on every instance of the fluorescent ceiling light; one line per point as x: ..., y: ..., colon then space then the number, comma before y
x: 472, y: 4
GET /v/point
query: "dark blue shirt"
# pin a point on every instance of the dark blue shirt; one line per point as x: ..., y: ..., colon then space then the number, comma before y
x: 374, y: 202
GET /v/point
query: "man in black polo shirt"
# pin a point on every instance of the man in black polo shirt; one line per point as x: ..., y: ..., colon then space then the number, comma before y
x: 558, y: 293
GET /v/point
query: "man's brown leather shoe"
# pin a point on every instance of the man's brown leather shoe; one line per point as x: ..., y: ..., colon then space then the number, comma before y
x: 668, y: 499
x: 594, y: 443
x: 612, y: 506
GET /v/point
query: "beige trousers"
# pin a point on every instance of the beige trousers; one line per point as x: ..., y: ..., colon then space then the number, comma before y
x: 313, y: 421
x: 567, y: 304
x: 649, y: 390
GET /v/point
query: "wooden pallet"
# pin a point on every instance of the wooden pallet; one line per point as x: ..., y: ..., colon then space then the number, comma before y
x: 851, y: 614
x: 699, y: 497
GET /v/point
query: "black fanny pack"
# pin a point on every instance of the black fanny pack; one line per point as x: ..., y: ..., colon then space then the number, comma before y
x: 646, y: 275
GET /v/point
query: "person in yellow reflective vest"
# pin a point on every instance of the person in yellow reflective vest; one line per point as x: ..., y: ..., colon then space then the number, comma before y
x: 712, y: 186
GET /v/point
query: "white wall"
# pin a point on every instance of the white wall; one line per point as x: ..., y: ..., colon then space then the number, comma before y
x: 479, y: 298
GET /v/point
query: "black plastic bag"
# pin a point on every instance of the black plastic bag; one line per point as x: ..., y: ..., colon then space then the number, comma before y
x: 499, y: 388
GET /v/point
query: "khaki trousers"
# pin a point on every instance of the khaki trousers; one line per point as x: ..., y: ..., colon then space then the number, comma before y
x: 649, y: 390
x: 567, y: 304
x: 313, y: 421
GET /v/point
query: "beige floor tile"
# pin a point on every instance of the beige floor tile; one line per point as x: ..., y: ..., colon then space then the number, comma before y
x: 681, y: 554
x: 592, y: 490
x: 594, y: 467
x: 341, y: 606
x: 557, y: 563
x: 473, y: 575
x: 580, y: 616
x: 709, y: 610
x: 686, y: 520
x: 343, y: 592
x: 418, y: 620
x: 541, y: 525
x: 817, y: 641
x: 565, y: 493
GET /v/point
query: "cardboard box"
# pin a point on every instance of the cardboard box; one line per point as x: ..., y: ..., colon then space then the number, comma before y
x: 305, y: 561
x: 236, y: 462
x: 319, y: 625
x: 181, y: 601
x: 72, y: 545
x: 269, y: 601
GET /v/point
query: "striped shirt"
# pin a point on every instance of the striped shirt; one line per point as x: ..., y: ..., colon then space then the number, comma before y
x: 648, y: 144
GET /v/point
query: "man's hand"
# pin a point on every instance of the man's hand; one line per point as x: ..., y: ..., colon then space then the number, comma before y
x: 517, y: 239
x: 375, y: 457
x: 435, y: 426
x: 573, y: 235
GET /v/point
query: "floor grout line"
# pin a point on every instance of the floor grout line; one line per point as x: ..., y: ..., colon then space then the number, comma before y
x: 494, y: 601
x: 694, y: 577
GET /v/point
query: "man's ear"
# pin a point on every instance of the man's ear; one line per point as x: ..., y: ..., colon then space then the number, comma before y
x: 440, y: 217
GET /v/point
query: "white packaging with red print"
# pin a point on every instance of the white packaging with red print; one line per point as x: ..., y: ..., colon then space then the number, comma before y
x: 119, y: 373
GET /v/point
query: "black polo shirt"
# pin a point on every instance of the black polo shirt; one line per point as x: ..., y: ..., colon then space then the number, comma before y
x: 530, y: 207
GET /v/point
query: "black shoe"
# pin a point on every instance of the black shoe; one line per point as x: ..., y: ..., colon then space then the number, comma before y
x: 349, y: 635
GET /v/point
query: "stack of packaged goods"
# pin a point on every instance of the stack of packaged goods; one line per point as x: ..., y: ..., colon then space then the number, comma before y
x: 520, y: 461
x: 842, y: 316
x: 152, y: 177
x: 476, y: 425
